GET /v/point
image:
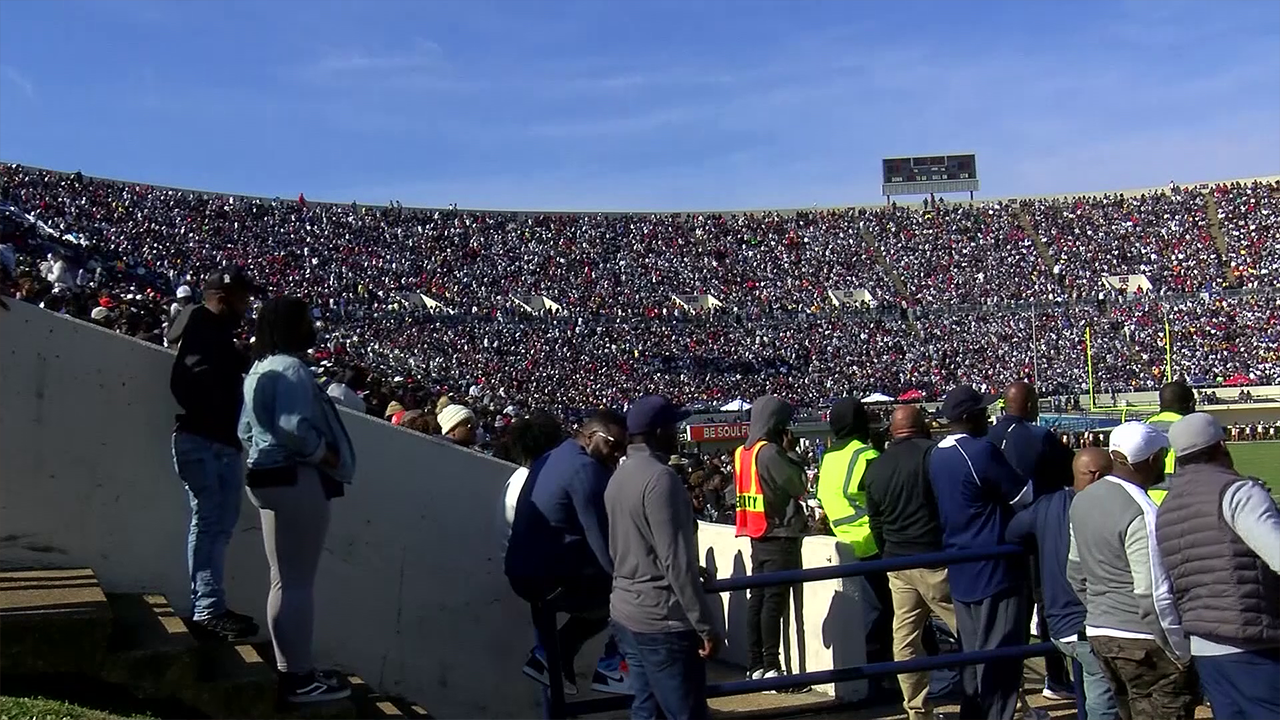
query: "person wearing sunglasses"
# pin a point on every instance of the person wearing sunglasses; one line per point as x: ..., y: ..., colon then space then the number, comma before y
x: 558, y: 554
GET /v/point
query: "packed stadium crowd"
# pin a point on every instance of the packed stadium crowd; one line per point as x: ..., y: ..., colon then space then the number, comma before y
x: 960, y: 293
x: 1164, y: 236
x: 963, y: 300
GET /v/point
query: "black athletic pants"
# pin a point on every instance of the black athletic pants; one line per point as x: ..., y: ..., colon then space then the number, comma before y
x: 767, y: 606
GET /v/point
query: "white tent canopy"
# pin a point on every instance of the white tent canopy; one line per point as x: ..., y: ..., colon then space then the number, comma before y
x: 736, y: 406
x: 877, y: 398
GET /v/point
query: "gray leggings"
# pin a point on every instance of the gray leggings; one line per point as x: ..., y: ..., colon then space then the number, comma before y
x: 294, y: 521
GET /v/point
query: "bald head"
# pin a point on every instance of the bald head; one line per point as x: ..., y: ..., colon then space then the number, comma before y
x: 1089, y: 466
x: 1020, y: 400
x: 907, y: 421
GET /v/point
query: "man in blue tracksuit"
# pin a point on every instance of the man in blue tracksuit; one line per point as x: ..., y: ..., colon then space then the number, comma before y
x: 1047, y: 522
x: 558, y: 554
x: 977, y: 492
x: 1038, y: 455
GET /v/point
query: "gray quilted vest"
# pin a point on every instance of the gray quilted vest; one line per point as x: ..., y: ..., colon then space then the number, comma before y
x: 1224, y: 592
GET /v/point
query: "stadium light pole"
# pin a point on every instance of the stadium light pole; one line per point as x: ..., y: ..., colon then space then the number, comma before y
x: 1035, y: 348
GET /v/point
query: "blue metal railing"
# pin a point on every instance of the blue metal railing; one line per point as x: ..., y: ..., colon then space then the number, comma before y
x: 556, y: 708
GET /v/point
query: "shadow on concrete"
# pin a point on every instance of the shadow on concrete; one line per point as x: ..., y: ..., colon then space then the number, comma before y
x: 93, y: 693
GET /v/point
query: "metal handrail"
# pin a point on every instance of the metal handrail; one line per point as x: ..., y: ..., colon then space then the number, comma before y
x: 860, y: 568
x: 555, y: 706
x: 835, y: 675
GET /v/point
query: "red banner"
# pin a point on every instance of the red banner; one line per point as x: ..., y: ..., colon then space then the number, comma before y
x: 718, y: 432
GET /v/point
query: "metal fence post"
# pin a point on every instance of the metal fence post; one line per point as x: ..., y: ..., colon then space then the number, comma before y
x: 553, y: 705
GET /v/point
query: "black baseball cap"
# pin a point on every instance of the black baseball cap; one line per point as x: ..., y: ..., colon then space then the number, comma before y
x: 231, y: 277
x: 651, y: 412
x: 963, y: 400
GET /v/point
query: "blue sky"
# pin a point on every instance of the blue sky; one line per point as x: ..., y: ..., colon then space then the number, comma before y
x: 606, y: 104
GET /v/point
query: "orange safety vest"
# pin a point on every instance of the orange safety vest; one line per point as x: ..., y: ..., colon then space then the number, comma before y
x: 751, y: 520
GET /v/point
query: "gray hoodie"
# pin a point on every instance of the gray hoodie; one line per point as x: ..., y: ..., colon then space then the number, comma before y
x: 781, y: 472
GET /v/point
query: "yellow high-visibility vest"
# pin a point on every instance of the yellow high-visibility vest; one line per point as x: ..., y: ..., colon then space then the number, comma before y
x: 1163, y: 421
x: 843, y: 498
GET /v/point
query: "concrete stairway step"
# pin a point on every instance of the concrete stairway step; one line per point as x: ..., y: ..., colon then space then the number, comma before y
x: 150, y: 649
x: 883, y: 261
x: 365, y: 702
x: 1219, y: 238
x: 1041, y: 247
x: 53, y: 621
x: 231, y: 681
x: 371, y: 705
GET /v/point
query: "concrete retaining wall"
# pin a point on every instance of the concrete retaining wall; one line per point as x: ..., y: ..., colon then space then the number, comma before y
x: 411, y: 594
x: 825, y: 621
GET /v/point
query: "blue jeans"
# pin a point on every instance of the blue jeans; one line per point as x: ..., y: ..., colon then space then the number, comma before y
x: 214, y: 476
x: 1099, y: 699
x: 667, y: 674
x: 1241, y: 686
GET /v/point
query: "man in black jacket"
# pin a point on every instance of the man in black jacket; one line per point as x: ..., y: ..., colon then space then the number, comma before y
x: 207, y: 382
x: 904, y: 522
x: 1039, y: 456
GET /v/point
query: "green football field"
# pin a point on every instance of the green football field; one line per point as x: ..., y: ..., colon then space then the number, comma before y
x: 1259, y: 459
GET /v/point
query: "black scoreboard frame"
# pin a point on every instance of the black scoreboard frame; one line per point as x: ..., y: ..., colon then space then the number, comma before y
x: 928, y: 174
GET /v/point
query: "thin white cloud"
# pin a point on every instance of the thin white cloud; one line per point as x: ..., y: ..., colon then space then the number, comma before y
x: 629, y: 124
x: 341, y: 66
x: 14, y: 76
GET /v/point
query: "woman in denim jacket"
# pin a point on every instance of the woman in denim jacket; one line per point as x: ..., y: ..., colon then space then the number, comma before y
x: 300, y: 457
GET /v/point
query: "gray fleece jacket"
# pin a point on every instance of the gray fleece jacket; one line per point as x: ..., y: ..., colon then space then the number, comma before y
x: 1115, y: 568
x: 781, y: 472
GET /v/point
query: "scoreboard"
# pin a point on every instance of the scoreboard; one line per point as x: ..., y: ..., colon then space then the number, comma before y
x: 930, y: 174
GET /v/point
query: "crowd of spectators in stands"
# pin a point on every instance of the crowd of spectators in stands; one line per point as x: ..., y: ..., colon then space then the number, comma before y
x: 1249, y: 215
x: 981, y: 304
x: 1163, y: 235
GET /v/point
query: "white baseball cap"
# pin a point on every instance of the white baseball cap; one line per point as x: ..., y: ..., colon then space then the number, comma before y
x: 1137, y: 441
x: 183, y: 291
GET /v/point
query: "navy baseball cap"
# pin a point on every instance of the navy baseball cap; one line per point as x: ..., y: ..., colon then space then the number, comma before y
x: 651, y: 412
x: 232, y: 277
x: 963, y: 400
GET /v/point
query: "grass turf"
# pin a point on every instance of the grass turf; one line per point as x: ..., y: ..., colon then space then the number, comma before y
x: 21, y: 708
x: 1259, y: 459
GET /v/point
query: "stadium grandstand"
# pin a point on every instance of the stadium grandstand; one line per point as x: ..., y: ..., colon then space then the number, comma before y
x: 1105, y: 293
x: 525, y: 316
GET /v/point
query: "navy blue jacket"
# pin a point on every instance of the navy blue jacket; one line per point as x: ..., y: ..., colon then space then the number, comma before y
x: 560, y: 529
x: 1035, y: 452
x: 1047, y: 521
x: 975, y: 487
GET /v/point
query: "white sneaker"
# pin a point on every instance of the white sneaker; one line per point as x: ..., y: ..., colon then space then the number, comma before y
x: 788, y: 691
x: 1057, y: 695
x: 755, y: 674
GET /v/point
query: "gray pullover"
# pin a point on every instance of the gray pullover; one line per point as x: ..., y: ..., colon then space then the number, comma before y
x: 654, y: 545
x: 1115, y: 567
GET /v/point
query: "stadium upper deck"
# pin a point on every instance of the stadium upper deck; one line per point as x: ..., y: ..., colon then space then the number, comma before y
x: 615, y: 277
x: 996, y: 252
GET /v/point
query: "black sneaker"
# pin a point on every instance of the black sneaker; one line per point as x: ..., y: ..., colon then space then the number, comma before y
x: 228, y: 626
x: 536, y: 668
x: 313, y: 687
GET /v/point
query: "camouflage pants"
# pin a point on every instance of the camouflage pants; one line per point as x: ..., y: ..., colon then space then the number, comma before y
x: 1147, y: 682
